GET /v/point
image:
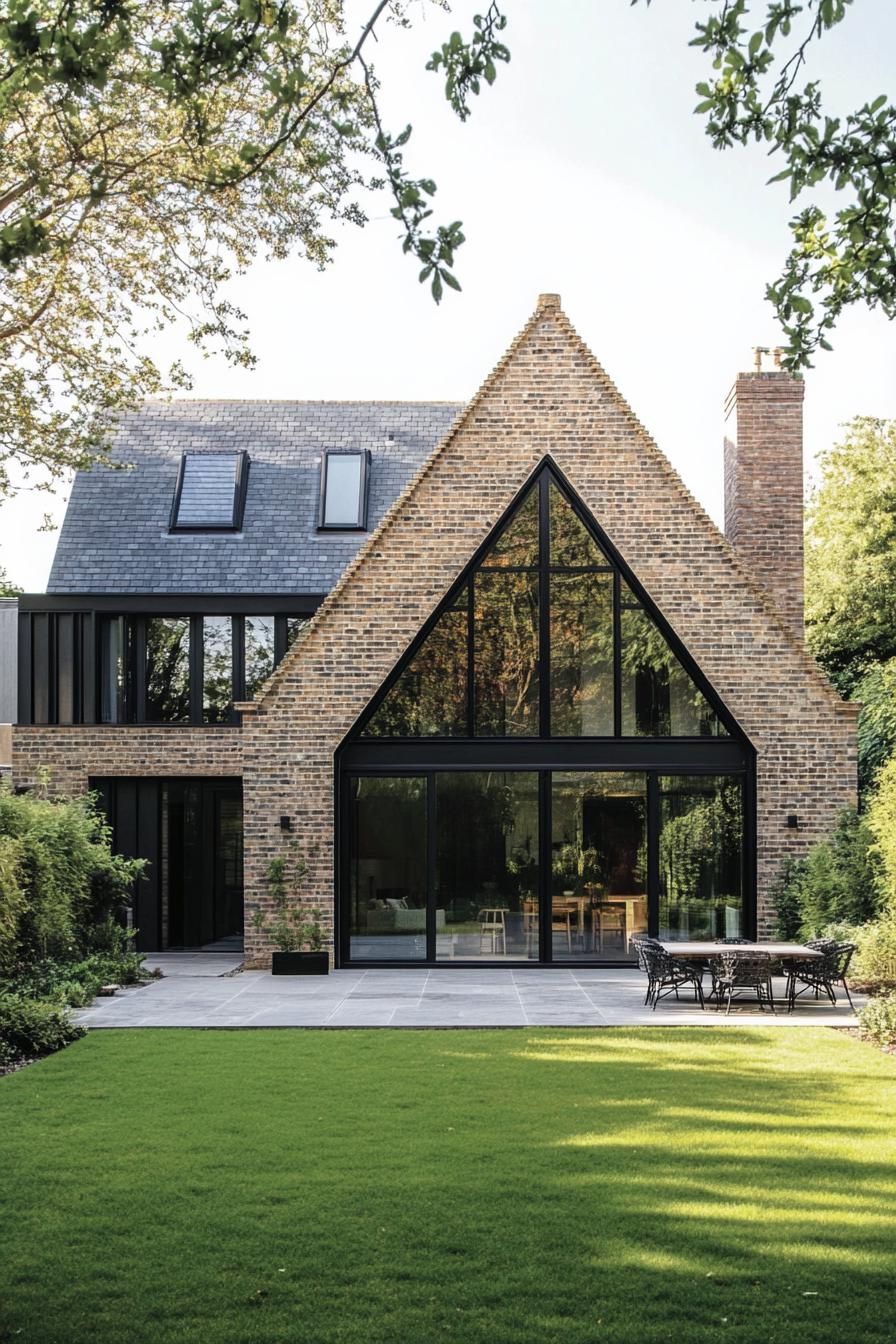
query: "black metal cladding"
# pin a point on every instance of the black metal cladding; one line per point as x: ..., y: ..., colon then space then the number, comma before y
x: 65, y: 656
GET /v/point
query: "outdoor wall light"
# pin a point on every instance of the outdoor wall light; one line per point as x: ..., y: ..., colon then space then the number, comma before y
x: 286, y: 823
x: 793, y: 822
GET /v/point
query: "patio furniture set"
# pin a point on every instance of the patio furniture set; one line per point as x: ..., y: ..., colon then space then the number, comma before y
x: 739, y: 968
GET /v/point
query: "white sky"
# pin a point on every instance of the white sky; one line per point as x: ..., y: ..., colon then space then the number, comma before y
x: 582, y: 172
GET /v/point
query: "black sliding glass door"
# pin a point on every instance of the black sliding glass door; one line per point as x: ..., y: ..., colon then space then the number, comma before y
x: 450, y: 866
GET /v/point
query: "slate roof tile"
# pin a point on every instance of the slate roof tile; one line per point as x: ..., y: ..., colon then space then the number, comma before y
x: 115, y: 536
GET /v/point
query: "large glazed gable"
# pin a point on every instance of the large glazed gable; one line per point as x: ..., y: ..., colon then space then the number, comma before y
x: 548, y: 396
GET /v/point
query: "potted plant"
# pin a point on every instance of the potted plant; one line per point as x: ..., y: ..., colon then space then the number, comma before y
x: 296, y: 931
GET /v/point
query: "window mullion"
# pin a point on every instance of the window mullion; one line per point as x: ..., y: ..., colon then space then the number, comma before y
x: 617, y: 658
x: 544, y: 606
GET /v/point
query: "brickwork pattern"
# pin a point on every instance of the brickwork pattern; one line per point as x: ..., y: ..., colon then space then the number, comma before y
x: 548, y: 395
x: 764, y: 486
x: 72, y: 755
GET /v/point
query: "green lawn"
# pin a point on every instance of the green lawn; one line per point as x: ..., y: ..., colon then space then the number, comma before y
x: 465, y: 1187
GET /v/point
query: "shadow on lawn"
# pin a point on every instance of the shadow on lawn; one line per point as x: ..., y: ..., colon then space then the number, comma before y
x: 719, y: 1179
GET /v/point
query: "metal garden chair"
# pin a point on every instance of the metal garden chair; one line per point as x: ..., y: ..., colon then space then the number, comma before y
x: 744, y: 971
x: 820, y: 973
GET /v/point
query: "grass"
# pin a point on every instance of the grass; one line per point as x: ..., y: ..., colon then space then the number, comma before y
x: 456, y: 1186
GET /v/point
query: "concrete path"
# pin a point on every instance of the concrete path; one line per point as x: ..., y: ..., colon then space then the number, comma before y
x: 192, y: 997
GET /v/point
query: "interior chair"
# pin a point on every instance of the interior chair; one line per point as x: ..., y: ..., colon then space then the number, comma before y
x: 608, y: 917
x: 561, y: 922
x: 491, y: 926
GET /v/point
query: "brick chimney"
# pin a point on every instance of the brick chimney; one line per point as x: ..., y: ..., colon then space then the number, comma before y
x: 764, y: 484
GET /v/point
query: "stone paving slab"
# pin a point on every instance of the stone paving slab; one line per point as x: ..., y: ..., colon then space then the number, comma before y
x: 431, y: 998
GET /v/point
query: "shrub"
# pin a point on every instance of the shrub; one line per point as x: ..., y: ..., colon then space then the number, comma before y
x: 33, y: 1027
x: 876, y: 692
x: 882, y: 825
x: 838, y: 880
x: 873, y: 966
x: 60, y: 883
x: 878, y: 1019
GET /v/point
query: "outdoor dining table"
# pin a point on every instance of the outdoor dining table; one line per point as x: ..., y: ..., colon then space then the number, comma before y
x: 713, y: 951
x: 782, y: 951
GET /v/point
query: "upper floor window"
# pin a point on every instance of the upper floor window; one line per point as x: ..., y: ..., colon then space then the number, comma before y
x: 343, y: 490
x: 545, y: 639
x: 210, y: 493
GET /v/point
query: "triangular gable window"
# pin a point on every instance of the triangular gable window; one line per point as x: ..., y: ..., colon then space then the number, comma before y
x: 544, y: 637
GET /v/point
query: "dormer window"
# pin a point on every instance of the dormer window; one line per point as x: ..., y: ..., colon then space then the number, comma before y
x: 210, y: 493
x: 343, y: 491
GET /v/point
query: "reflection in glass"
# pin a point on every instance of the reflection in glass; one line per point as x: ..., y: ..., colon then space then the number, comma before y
x: 294, y: 627
x: 572, y: 545
x: 217, y: 668
x: 701, y: 857
x: 581, y: 655
x: 517, y: 544
x: 598, y: 863
x: 505, y: 662
x: 387, y: 880
x: 659, y: 699
x: 430, y: 697
x: 167, y: 669
x: 259, y: 652
x: 113, y: 664
x: 486, y: 866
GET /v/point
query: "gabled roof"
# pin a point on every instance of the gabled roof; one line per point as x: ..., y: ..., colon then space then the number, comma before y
x: 116, y: 538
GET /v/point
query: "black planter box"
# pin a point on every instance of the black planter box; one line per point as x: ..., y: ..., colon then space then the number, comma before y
x: 300, y: 963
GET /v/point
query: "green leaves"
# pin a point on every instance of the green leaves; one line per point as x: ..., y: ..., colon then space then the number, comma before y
x: 465, y: 64
x: 756, y: 96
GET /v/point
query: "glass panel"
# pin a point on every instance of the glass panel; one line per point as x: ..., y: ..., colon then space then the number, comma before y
x: 506, y: 654
x: 517, y: 544
x: 598, y: 863
x: 701, y: 856
x: 387, y: 885
x: 259, y: 655
x: 217, y: 668
x: 294, y: 627
x: 659, y: 699
x: 342, y: 501
x: 167, y: 669
x: 207, y: 490
x: 572, y: 545
x: 113, y: 662
x: 430, y: 697
x: 581, y: 655
x: 487, y: 866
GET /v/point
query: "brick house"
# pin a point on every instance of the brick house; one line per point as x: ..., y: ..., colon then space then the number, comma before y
x: 489, y: 671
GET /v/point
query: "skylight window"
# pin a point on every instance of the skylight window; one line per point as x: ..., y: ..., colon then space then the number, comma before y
x: 343, y: 490
x: 210, y: 493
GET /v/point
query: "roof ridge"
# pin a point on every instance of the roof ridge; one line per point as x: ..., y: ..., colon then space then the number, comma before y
x: 389, y: 516
x: 297, y: 401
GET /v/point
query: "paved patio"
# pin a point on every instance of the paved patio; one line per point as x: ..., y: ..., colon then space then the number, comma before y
x: 208, y: 990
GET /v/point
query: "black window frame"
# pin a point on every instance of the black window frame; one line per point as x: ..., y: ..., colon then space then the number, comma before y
x: 732, y: 754
x: 363, y: 491
x: 240, y: 487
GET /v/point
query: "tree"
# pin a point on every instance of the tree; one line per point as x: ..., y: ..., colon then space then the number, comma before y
x: 755, y: 95
x: 151, y: 150
x: 7, y: 587
x: 851, y: 554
